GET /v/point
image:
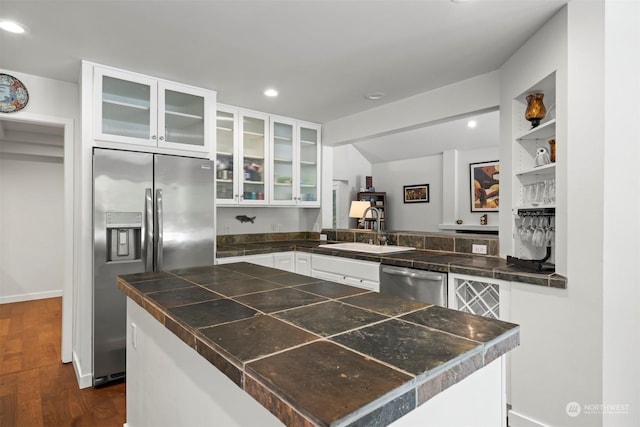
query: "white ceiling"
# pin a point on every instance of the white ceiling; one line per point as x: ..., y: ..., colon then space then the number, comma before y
x: 322, y: 55
x: 434, y: 139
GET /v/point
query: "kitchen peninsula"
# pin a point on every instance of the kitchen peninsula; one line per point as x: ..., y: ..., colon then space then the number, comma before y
x: 307, y: 352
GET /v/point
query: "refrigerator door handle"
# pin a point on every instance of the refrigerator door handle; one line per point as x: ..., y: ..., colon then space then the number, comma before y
x: 147, y: 244
x: 158, y: 230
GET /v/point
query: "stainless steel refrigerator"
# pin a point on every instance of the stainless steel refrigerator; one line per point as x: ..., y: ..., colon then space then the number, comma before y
x: 151, y: 212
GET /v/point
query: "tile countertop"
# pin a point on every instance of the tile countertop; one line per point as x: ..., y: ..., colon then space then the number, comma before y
x: 315, y: 352
x: 444, y: 262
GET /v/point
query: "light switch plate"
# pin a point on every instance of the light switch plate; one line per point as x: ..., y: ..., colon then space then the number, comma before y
x: 479, y: 249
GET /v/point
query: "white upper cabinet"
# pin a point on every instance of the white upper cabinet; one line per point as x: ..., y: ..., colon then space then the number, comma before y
x: 241, y: 157
x: 265, y: 160
x: 182, y: 118
x: 282, y: 156
x: 295, y: 156
x: 227, y: 192
x: 135, y: 109
x: 254, y: 157
x: 309, y: 165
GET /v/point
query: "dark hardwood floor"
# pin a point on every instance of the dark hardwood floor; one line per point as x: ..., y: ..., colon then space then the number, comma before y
x: 36, y: 388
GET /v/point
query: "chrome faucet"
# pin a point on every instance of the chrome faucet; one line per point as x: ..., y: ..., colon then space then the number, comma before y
x: 376, y: 225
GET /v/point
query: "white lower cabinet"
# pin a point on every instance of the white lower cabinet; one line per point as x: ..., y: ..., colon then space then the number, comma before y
x: 362, y: 274
x: 303, y: 263
x: 284, y: 261
x: 479, y: 295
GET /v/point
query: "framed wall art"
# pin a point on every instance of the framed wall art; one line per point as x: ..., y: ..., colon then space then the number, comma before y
x: 485, y: 186
x: 416, y: 193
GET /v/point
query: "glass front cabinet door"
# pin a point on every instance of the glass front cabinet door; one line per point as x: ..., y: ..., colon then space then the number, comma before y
x: 241, y: 157
x: 253, y: 156
x: 282, y: 155
x: 126, y: 107
x: 295, y: 151
x: 226, y: 155
x: 182, y: 118
x: 309, y: 164
x: 135, y: 109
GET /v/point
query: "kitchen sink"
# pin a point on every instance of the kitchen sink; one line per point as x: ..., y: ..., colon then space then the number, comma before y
x: 365, y: 247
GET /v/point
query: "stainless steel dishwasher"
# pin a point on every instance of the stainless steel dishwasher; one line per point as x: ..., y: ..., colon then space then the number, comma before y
x: 418, y: 285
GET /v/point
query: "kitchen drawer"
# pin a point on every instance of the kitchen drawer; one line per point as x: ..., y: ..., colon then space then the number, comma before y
x: 348, y: 267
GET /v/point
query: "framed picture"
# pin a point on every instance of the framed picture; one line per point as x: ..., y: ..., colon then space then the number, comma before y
x: 416, y: 193
x: 485, y: 186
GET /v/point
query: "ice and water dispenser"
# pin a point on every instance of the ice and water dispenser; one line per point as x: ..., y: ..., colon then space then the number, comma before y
x: 124, y: 236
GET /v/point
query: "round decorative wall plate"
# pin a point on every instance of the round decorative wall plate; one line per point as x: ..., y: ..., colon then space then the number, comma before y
x: 13, y: 94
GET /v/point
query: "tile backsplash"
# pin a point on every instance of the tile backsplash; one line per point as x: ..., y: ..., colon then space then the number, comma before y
x: 435, y: 241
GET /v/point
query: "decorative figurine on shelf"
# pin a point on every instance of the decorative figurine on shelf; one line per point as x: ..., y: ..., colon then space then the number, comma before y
x: 552, y: 150
x: 542, y: 157
x: 483, y: 219
x: 536, y: 110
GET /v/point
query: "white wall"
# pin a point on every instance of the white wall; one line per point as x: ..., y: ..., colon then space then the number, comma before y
x: 621, y: 221
x: 267, y: 220
x: 55, y: 103
x: 352, y: 168
x: 456, y: 197
x: 557, y: 360
x: 392, y: 176
x: 564, y: 332
x: 31, y: 227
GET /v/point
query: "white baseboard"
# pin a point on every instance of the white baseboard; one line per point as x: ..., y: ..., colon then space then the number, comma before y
x: 519, y: 420
x: 30, y: 296
x: 84, y: 380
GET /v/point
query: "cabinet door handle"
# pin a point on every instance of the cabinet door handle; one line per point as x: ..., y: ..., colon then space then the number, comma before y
x: 153, y: 137
x: 162, y: 138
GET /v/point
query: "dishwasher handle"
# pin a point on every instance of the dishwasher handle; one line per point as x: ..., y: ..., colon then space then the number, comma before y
x: 414, y: 274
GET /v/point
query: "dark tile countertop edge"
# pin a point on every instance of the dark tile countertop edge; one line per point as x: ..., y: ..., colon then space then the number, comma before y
x: 409, y: 395
x: 446, y: 262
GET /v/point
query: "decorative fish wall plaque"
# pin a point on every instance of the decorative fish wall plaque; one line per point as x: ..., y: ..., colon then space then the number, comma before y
x: 244, y: 218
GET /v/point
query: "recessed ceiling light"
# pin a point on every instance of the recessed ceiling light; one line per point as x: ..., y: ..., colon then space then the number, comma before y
x: 472, y: 124
x: 12, y: 27
x: 271, y: 93
x: 374, y: 96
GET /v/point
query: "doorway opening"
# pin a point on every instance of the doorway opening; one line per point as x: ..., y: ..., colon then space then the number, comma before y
x: 36, y: 186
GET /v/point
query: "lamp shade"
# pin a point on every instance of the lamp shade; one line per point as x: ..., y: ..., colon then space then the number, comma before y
x: 357, y: 209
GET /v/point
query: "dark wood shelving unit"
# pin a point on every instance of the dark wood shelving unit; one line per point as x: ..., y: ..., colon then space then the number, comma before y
x: 378, y: 199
